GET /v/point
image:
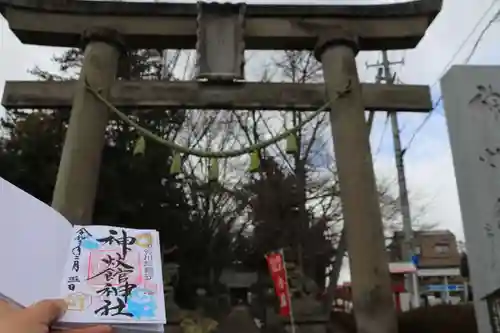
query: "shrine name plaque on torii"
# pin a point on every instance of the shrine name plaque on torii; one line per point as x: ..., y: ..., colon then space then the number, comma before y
x: 220, y: 33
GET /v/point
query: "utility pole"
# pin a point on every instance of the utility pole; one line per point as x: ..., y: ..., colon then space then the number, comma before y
x: 385, y: 74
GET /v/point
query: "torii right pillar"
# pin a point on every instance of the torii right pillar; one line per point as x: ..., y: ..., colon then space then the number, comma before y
x: 372, y: 296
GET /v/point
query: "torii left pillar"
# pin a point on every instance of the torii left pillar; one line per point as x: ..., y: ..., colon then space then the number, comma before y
x: 78, y: 174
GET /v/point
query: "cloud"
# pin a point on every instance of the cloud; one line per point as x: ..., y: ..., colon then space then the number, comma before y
x: 17, y: 59
x: 428, y: 162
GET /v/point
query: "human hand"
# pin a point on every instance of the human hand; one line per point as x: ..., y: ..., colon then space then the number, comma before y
x: 38, y: 318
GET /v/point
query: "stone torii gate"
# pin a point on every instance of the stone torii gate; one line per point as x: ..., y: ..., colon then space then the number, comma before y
x: 220, y: 33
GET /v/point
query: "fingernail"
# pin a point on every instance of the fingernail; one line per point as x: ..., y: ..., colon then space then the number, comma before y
x: 64, y: 303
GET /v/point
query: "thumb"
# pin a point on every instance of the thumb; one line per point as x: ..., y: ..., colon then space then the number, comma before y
x: 46, y: 312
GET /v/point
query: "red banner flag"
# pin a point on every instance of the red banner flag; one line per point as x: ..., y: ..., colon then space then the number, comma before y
x: 278, y: 274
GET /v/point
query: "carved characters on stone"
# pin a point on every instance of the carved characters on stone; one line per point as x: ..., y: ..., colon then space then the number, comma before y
x: 490, y: 156
x: 488, y: 98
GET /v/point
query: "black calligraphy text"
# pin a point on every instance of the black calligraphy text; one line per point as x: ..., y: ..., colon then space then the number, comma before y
x: 116, y: 268
x: 110, y: 309
x: 124, y: 241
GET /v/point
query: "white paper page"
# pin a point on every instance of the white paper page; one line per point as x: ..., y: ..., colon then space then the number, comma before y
x: 113, y: 275
x: 33, y: 247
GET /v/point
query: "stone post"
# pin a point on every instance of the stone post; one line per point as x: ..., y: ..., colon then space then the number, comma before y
x: 78, y: 174
x: 372, y: 297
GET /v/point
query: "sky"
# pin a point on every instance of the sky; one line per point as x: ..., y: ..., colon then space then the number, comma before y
x: 428, y: 163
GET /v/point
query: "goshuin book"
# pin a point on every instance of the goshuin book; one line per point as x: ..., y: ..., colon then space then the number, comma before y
x: 107, y: 275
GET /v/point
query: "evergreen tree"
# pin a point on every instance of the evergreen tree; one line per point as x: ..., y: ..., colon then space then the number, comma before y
x: 134, y: 191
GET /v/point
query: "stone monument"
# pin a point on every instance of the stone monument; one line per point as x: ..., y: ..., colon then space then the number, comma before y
x: 170, y: 273
x: 471, y: 97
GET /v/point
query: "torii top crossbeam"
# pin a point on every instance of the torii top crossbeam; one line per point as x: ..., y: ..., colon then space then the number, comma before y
x: 174, y: 25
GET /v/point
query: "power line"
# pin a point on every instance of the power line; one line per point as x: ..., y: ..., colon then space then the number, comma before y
x: 448, y: 65
x: 481, y: 35
x: 381, y: 140
x: 469, y: 36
